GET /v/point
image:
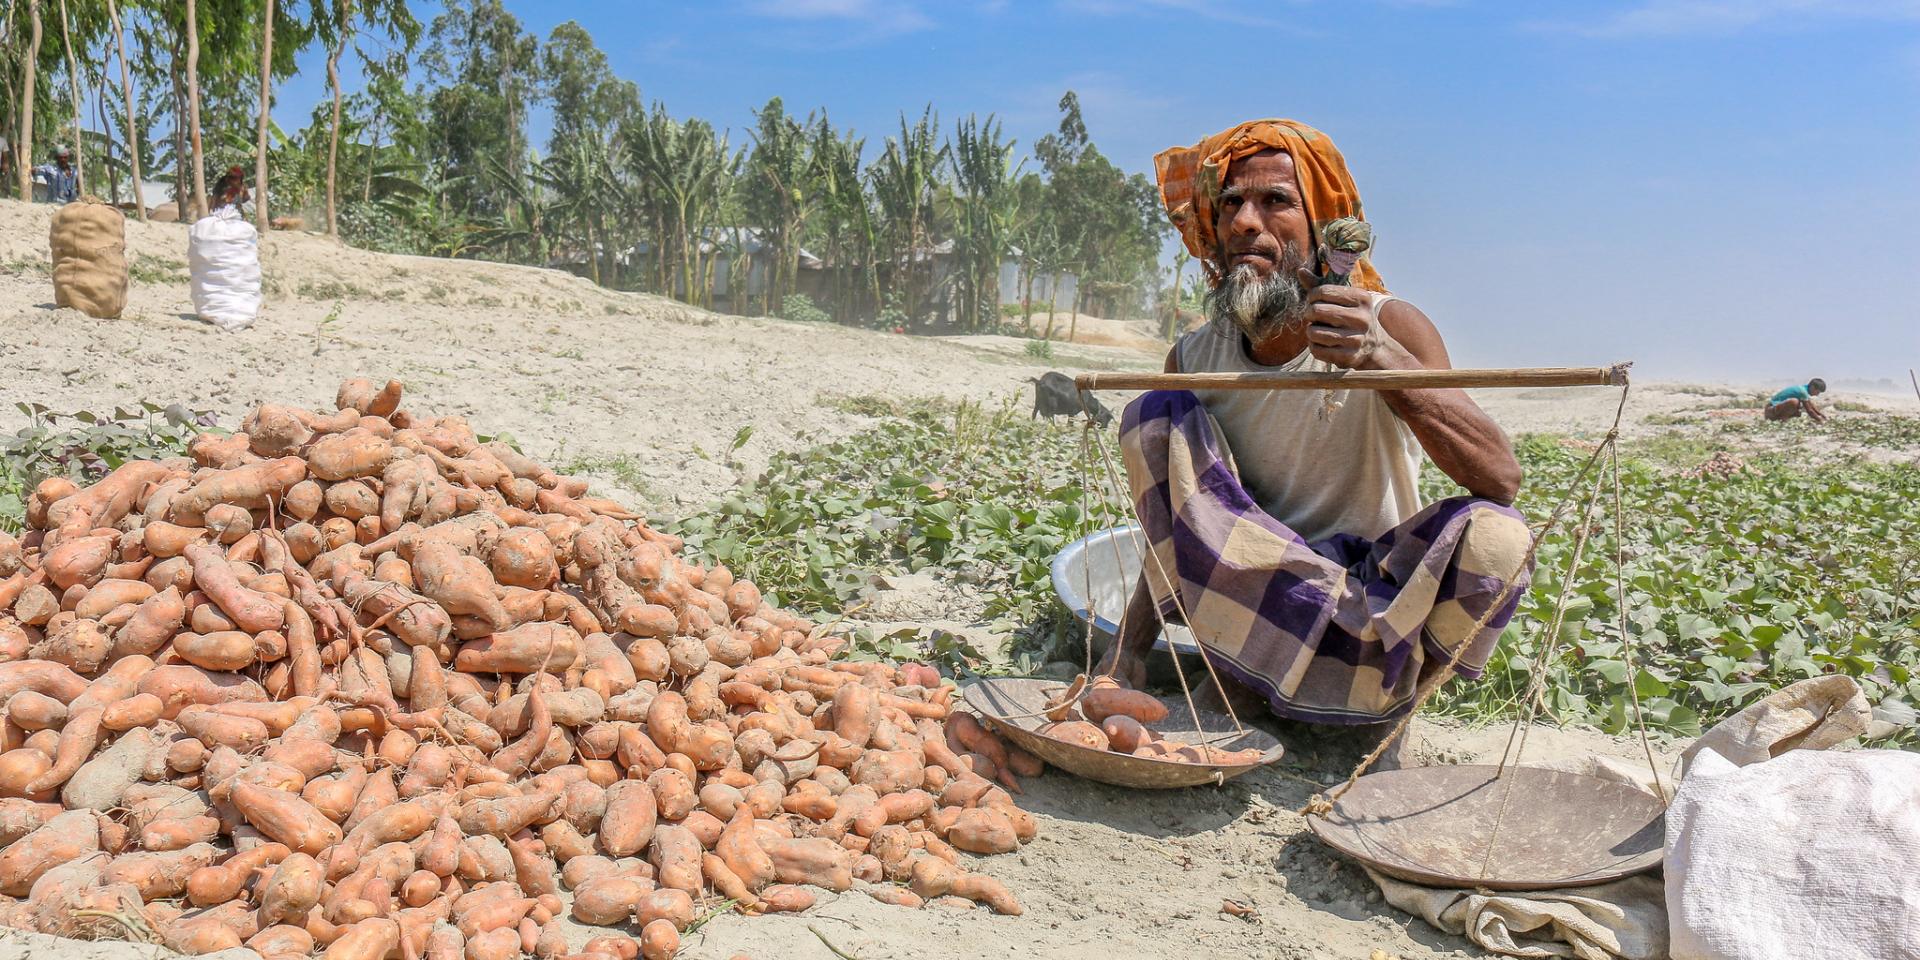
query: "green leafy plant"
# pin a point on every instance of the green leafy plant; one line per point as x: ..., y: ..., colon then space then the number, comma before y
x: 1040, y: 349
x: 983, y: 497
x: 1739, y: 579
x: 799, y: 307
x: 85, y: 446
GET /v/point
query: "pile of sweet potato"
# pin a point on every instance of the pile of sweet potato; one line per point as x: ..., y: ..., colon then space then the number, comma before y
x: 355, y: 683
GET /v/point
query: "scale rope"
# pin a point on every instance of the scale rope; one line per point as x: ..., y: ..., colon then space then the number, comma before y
x: 1588, y: 480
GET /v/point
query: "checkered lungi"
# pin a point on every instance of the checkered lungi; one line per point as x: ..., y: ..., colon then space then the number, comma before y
x: 1337, y: 631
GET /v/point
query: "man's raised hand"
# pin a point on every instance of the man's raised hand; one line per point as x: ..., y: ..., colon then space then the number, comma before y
x: 1341, y: 328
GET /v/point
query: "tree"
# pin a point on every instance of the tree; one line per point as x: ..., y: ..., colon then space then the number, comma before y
x: 587, y: 98
x: 487, y: 71
x: 906, y: 179
x: 133, y: 128
x: 266, y: 109
x: 337, y: 31
x: 338, y: 39
x: 73, y: 79
x: 1107, y: 222
x: 29, y: 92
x: 193, y: 105
x: 986, y: 201
x: 777, y: 193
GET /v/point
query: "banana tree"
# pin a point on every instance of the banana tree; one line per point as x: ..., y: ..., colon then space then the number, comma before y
x: 906, y: 181
x: 845, y: 223
x: 681, y: 171
x: 580, y: 177
x: 779, y: 194
x: 985, y: 202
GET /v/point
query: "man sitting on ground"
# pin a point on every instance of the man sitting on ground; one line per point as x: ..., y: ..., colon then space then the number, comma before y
x: 1286, y: 526
x: 1796, y: 400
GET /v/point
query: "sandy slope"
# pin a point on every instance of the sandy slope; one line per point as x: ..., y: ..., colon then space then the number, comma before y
x: 577, y: 372
x: 571, y: 370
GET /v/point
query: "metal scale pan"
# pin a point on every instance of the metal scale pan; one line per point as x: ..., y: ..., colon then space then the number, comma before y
x: 1432, y: 826
x: 1012, y: 707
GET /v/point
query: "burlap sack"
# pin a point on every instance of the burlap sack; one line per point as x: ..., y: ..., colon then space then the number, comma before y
x: 90, y: 258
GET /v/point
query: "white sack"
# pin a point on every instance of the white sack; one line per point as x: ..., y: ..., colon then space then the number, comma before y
x: 223, y: 253
x: 1813, y: 855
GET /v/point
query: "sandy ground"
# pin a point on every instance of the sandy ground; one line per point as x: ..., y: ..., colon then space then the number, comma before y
x: 652, y: 393
x: 1084, y: 328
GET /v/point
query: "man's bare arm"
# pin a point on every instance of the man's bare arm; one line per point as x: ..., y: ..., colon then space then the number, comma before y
x: 1457, y: 435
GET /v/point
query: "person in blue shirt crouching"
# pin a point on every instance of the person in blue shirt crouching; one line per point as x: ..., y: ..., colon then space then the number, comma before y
x: 1796, y: 400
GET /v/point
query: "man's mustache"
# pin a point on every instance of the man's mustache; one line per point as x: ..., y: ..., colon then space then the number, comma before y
x: 1260, y: 306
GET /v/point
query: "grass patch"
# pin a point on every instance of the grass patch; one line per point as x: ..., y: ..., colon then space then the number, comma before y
x: 331, y: 290
x: 881, y: 405
x: 147, y: 268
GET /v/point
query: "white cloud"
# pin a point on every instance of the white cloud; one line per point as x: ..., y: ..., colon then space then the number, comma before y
x: 1677, y: 17
x: 870, y: 19
x: 1198, y: 9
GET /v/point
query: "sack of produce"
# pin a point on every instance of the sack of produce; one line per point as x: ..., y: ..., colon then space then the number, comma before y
x: 223, y: 254
x: 89, y: 258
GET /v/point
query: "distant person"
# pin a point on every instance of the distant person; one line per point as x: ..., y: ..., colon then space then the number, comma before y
x: 1796, y: 400
x: 62, y: 180
x: 231, y: 191
x: 223, y: 257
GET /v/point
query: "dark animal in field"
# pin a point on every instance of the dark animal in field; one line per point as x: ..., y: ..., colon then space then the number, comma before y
x: 1054, y: 395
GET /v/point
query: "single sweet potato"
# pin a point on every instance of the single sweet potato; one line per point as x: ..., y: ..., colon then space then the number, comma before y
x: 292, y: 888
x: 631, y: 818
x: 349, y: 455
x: 523, y: 649
x: 286, y: 818
x: 659, y: 940
x: 69, y: 836
x: 250, y: 610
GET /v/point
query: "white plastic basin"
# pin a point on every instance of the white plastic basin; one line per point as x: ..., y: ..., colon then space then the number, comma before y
x: 1105, y: 566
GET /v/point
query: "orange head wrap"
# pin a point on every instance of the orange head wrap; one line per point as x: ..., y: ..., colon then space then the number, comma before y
x: 1191, y: 178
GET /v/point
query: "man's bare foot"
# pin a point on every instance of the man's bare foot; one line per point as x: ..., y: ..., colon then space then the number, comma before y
x: 1123, y: 665
x: 1239, y: 700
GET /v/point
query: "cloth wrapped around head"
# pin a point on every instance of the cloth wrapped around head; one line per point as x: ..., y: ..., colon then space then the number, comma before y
x: 1191, y: 178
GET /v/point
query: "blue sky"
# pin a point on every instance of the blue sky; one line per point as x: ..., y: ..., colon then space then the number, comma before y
x: 1710, y: 187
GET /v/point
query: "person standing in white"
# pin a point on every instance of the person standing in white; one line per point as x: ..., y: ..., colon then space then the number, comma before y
x: 223, y: 254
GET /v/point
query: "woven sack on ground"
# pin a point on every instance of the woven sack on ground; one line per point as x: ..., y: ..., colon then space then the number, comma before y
x: 89, y: 242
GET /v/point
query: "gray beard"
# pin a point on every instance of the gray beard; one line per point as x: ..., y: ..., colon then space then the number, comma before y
x: 1261, y: 307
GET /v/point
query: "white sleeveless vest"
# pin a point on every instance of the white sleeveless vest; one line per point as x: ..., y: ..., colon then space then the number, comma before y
x: 1356, y: 471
